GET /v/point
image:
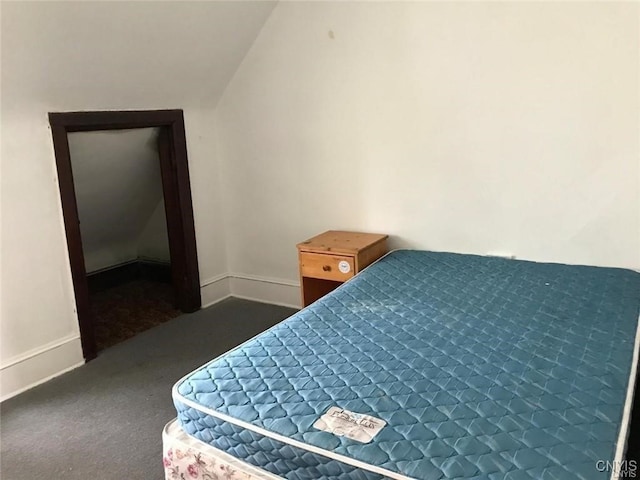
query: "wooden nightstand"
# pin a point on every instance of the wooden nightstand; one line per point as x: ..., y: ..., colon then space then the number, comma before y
x: 331, y: 258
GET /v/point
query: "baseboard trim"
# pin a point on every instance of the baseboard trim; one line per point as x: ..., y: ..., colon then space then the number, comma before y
x: 250, y: 287
x: 214, y: 290
x: 125, y: 272
x: 38, y: 366
x: 258, y: 278
x: 265, y: 289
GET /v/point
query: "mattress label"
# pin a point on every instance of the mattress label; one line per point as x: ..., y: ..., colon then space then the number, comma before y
x: 355, y: 426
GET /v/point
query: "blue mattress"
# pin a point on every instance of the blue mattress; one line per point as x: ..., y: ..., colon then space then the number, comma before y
x: 477, y: 367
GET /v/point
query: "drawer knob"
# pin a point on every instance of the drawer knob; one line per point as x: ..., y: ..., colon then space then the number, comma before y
x: 326, y: 268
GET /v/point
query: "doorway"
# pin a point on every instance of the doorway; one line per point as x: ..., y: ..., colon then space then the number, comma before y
x: 177, y: 200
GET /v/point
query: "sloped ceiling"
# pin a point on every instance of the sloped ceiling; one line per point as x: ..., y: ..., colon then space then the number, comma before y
x: 125, y: 54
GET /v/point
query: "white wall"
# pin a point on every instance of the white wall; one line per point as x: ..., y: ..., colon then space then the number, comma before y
x: 459, y: 126
x: 66, y: 56
x: 153, y: 241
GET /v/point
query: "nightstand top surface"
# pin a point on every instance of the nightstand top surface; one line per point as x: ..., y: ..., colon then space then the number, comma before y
x: 340, y: 242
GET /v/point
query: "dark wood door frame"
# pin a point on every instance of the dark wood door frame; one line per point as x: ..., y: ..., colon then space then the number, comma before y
x: 172, y: 148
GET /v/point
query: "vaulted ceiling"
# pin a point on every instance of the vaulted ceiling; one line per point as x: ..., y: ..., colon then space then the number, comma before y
x: 125, y: 54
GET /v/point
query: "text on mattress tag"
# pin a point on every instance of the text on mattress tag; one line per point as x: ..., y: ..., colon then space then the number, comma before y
x: 344, y: 423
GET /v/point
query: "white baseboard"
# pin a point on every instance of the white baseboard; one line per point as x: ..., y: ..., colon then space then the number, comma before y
x: 36, y: 367
x: 215, y: 290
x: 264, y: 289
x: 251, y: 287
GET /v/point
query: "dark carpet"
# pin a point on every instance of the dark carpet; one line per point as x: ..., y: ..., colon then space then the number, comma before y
x: 104, y: 420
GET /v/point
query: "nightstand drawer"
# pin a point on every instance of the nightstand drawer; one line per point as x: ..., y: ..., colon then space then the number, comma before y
x: 328, y: 267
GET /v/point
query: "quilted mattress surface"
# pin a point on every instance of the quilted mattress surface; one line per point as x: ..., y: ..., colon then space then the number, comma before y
x: 477, y: 367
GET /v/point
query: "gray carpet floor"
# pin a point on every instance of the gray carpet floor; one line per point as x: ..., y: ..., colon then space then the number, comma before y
x: 104, y: 420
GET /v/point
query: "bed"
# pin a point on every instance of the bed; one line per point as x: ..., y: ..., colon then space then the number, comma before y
x: 426, y: 365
